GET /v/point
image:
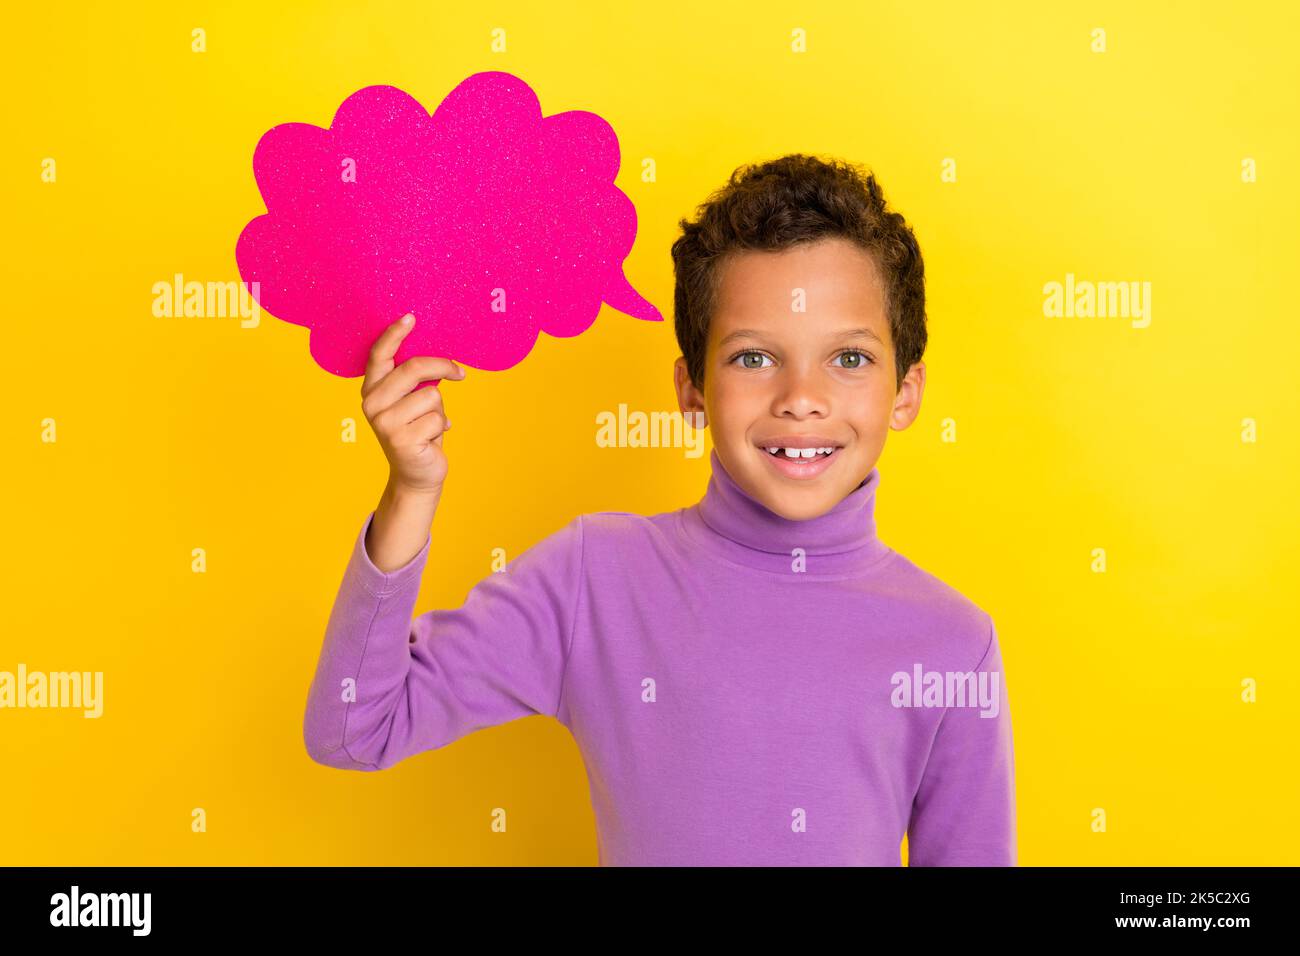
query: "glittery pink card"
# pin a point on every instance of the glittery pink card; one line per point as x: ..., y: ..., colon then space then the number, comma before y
x: 487, y: 220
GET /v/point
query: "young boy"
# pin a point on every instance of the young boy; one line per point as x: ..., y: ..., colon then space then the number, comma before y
x: 756, y: 679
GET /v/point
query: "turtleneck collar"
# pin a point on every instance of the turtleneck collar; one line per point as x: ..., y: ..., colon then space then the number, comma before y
x: 737, y: 527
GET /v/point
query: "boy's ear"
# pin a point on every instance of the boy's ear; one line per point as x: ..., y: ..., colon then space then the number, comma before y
x: 690, y: 400
x: 907, y: 404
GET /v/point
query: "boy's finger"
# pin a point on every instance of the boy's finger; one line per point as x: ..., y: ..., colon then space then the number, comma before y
x: 380, y: 361
x: 419, y: 402
x: 430, y: 426
x: 420, y: 368
x: 409, y: 374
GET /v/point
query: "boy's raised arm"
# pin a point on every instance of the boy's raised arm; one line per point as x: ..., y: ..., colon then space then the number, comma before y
x: 388, y: 686
x: 964, y: 813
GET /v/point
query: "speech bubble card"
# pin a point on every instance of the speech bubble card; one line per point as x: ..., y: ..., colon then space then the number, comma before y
x: 487, y: 220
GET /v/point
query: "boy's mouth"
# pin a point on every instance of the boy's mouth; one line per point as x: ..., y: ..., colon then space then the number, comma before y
x: 800, y: 458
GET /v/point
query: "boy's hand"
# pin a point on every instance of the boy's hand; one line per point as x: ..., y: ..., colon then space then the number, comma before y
x: 408, y: 422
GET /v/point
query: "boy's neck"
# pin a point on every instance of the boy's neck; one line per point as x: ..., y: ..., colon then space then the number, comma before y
x: 839, y: 542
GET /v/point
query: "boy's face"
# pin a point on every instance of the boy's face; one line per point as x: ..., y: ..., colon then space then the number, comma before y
x: 785, y: 366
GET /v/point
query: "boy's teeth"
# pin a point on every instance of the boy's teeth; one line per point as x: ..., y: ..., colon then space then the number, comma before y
x: 800, y: 453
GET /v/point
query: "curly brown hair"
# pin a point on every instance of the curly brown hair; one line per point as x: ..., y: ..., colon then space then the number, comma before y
x: 776, y: 204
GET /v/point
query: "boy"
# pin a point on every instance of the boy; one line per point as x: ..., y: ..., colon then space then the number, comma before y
x: 756, y: 679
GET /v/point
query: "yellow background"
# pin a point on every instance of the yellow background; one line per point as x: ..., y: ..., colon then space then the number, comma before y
x: 1073, y: 434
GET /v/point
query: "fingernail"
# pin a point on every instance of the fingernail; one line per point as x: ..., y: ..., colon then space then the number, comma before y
x: 408, y: 319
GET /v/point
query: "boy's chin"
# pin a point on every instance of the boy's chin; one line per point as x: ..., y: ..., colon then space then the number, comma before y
x: 803, y: 497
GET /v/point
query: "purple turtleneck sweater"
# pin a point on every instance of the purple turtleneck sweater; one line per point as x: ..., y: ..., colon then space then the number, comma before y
x: 745, y: 689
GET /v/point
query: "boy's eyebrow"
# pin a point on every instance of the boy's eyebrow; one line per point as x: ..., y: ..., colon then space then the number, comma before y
x: 754, y: 334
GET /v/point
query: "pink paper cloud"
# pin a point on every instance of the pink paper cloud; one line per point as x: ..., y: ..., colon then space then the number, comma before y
x: 487, y: 220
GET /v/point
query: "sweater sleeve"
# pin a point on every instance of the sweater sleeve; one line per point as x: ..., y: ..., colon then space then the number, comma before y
x: 387, y: 687
x: 964, y: 813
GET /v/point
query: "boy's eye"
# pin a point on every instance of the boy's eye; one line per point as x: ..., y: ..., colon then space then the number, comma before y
x: 747, y: 355
x: 746, y: 359
x: 863, y: 359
